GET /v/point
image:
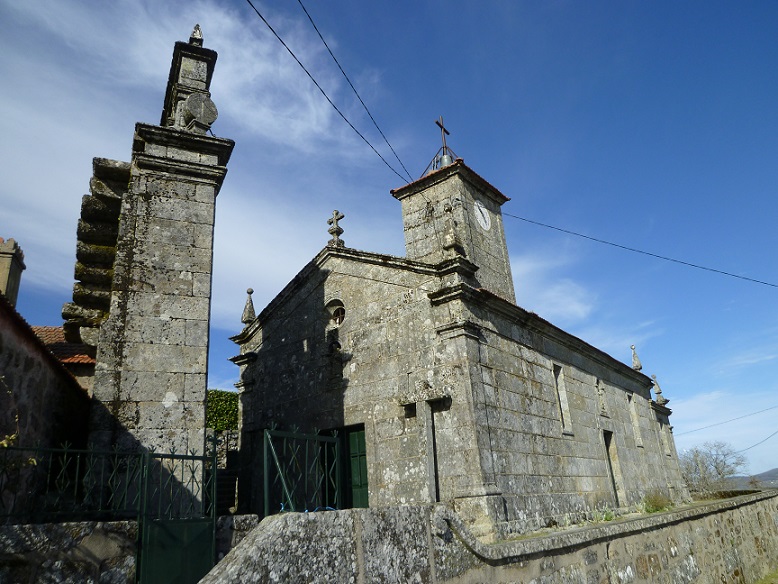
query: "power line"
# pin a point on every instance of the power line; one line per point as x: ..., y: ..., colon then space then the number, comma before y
x: 316, y: 28
x: 324, y: 93
x: 758, y: 443
x: 726, y: 421
x: 653, y: 255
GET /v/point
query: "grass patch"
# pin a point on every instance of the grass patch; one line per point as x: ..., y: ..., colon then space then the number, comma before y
x: 771, y: 578
x: 655, y: 501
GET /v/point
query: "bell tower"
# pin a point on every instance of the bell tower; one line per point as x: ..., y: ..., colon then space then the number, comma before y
x: 452, y: 210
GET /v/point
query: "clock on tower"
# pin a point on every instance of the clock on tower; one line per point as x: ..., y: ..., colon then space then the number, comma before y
x: 454, y: 201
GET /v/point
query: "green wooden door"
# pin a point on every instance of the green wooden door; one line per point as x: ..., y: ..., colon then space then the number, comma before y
x: 357, y: 457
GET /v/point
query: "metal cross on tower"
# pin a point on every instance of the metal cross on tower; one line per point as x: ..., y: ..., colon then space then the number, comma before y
x: 443, y: 133
x: 445, y: 155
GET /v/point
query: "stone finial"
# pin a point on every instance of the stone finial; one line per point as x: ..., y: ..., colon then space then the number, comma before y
x: 196, y: 38
x: 336, y: 230
x: 188, y: 104
x: 636, y: 364
x: 660, y: 399
x: 248, y: 315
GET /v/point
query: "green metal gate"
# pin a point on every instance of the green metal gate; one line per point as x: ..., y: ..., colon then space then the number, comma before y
x: 172, y: 496
x: 177, y: 519
x: 302, y: 472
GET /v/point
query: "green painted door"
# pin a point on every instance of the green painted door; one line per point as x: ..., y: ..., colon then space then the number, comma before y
x: 357, y: 457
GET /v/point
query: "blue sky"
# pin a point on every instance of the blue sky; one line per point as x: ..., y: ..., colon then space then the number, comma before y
x: 650, y: 124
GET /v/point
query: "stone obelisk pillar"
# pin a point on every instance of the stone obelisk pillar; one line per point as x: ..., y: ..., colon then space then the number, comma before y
x: 152, y: 353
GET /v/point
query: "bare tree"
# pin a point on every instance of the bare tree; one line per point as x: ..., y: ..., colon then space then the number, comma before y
x: 707, y: 468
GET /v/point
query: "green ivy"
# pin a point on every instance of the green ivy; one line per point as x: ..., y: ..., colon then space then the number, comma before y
x: 222, y: 410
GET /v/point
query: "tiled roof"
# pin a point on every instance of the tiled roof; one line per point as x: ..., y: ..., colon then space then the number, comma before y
x: 54, y: 339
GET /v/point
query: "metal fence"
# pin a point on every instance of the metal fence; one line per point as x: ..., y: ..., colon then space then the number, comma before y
x: 51, y: 485
x: 39, y: 485
x: 301, y: 471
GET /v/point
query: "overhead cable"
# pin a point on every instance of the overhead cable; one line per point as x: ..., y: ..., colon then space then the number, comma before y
x: 726, y: 421
x: 653, y: 255
x: 758, y: 443
x: 316, y: 28
x: 324, y: 93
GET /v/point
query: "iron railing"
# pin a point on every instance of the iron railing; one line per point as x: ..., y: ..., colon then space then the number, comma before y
x: 40, y: 485
x: 44, y: 484
x: 302, y: 472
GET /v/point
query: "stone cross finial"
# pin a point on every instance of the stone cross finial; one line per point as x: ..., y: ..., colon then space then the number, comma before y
x: 660, y: 399
x: 196, y: 38
x: 336, y: 230
x: 636, y: 364
x: 248, y: 315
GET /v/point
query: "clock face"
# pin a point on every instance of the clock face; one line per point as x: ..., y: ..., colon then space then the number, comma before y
x: 482, y: 216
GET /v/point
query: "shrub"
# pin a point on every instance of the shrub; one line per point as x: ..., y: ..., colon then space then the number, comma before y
x: 221, y: 412
x: 656, y: 501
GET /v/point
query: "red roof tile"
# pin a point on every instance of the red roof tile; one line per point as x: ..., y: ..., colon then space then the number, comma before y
x: 54, y: 339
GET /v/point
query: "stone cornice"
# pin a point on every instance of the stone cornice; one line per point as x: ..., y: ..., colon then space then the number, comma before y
x: 168, y: 136
x: 244, y: 358
x: 533, y: 322
x: 458, y: 167
x: 664, y: 410
x: 463, y: 328
x: 368, y: 257
x: 206, y: 172
x: 457, y: 265
x: 459, y: 291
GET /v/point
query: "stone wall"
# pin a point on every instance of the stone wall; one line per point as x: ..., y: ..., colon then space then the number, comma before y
x: 231, y: 530
x: 464, y: 397
x: 69, y: 553
x: 301, y: 369
x: 730, y: 541
x: 36, y: 389
x: 547, y: 402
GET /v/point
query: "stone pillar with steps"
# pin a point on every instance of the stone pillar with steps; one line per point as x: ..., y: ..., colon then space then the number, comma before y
x: 152, y: 349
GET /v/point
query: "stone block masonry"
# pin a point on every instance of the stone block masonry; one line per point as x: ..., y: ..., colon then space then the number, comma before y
x: 729, y: 541
x: 41, y: 403
x: 68, y: 552
x: 152, y: 349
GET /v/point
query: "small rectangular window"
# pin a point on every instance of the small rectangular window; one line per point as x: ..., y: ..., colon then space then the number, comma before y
x: 561, y: 397
x: 633, y: 414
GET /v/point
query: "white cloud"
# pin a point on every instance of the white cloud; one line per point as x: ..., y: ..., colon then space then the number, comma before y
x: 754, y: 356
x: 538, y: 288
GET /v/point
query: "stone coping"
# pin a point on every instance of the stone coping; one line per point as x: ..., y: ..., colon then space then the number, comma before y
x: 580, y: 537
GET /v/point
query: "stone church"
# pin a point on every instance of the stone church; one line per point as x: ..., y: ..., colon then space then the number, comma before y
x: 441, y: 387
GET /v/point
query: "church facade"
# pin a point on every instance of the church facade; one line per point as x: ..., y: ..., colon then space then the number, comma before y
x: 442, y: 388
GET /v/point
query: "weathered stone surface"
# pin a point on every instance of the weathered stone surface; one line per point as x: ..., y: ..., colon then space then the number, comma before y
x: 41, y: 404
x: 431, y: 544
x: 495, y: 380
x: 69, y: 553
x: 231, y: 530
x: 145, y: 252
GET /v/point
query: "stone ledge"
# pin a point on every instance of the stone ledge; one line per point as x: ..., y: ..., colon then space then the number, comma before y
x: 579, y: 537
